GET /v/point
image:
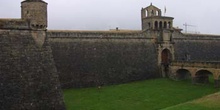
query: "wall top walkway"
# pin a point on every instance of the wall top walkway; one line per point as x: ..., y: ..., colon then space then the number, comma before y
x: 124, y: 34
x: 187, y: 36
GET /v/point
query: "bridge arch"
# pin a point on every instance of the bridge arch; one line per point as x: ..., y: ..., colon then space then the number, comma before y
x: 204, y: 76
x: 183, y: 74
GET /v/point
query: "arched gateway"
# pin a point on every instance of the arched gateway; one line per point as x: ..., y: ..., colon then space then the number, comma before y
x: 166, y: 57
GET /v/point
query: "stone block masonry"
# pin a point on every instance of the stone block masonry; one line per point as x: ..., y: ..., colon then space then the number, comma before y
x: 103, y: 58
x: 28, y: 76
x: 33, y: 60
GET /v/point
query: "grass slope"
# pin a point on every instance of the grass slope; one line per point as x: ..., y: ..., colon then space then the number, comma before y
x: 210, y: 102
x: 144, y: 95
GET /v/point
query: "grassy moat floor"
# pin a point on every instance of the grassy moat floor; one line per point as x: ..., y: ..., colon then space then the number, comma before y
x: 151, y: 94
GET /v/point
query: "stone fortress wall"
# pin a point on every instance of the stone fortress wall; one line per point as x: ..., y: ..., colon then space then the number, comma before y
x: 28, y: 76
x: 35, y: 61
x: 199, y: 47
x: 94, y: 58
x: 88, y: 58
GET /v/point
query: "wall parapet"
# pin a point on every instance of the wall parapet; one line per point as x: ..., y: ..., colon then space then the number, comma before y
x: 14, y: 24
x: 207, y: 64
x: 185, y: 36
x: 97, y: 34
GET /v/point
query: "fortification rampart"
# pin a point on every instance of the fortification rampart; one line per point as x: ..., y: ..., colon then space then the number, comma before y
x: 28, y: 76
x: 92, y: 49
x: 99, y: 58
x: 197, y: 47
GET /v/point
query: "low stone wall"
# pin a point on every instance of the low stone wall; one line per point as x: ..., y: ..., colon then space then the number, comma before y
x: 96, y: 61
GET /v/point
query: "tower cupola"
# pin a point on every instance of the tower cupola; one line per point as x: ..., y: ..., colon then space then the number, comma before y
x: 35, y: 11
x: 152, y: 19
x: 151, y: 11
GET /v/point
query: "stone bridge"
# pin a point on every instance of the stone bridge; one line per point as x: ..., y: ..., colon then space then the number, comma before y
x: 199, y: 72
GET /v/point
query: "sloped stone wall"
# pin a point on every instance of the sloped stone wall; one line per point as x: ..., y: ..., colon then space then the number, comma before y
x: 198, y: 50
x: 28, y: 76
x: 97, y: 61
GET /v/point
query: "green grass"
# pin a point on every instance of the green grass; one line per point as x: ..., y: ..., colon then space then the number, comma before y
x: 144, y: 95
x: 210, y: 102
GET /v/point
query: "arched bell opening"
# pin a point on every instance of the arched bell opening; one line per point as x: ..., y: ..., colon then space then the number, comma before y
x: 156, y: 25
x: 160, y: 25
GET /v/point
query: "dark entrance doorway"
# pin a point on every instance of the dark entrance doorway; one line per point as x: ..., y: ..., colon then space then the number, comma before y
x: 165, y: 61
x: 166, y: 57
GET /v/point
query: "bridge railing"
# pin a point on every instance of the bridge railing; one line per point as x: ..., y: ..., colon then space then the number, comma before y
x: 196, y: 64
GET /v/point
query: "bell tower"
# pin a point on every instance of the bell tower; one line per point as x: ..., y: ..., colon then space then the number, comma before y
x: 35, y: 11
x: 152, y: 18
x: 160, y: 28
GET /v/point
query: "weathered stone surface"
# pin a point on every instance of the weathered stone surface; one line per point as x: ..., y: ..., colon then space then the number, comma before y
x: 85, y: 62
x: 35, y: 12
x: 29, y: 66
x: 199, y: 50
x: 28, y: 76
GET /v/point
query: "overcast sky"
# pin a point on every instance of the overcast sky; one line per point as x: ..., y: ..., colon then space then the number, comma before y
x: 125, y: 14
